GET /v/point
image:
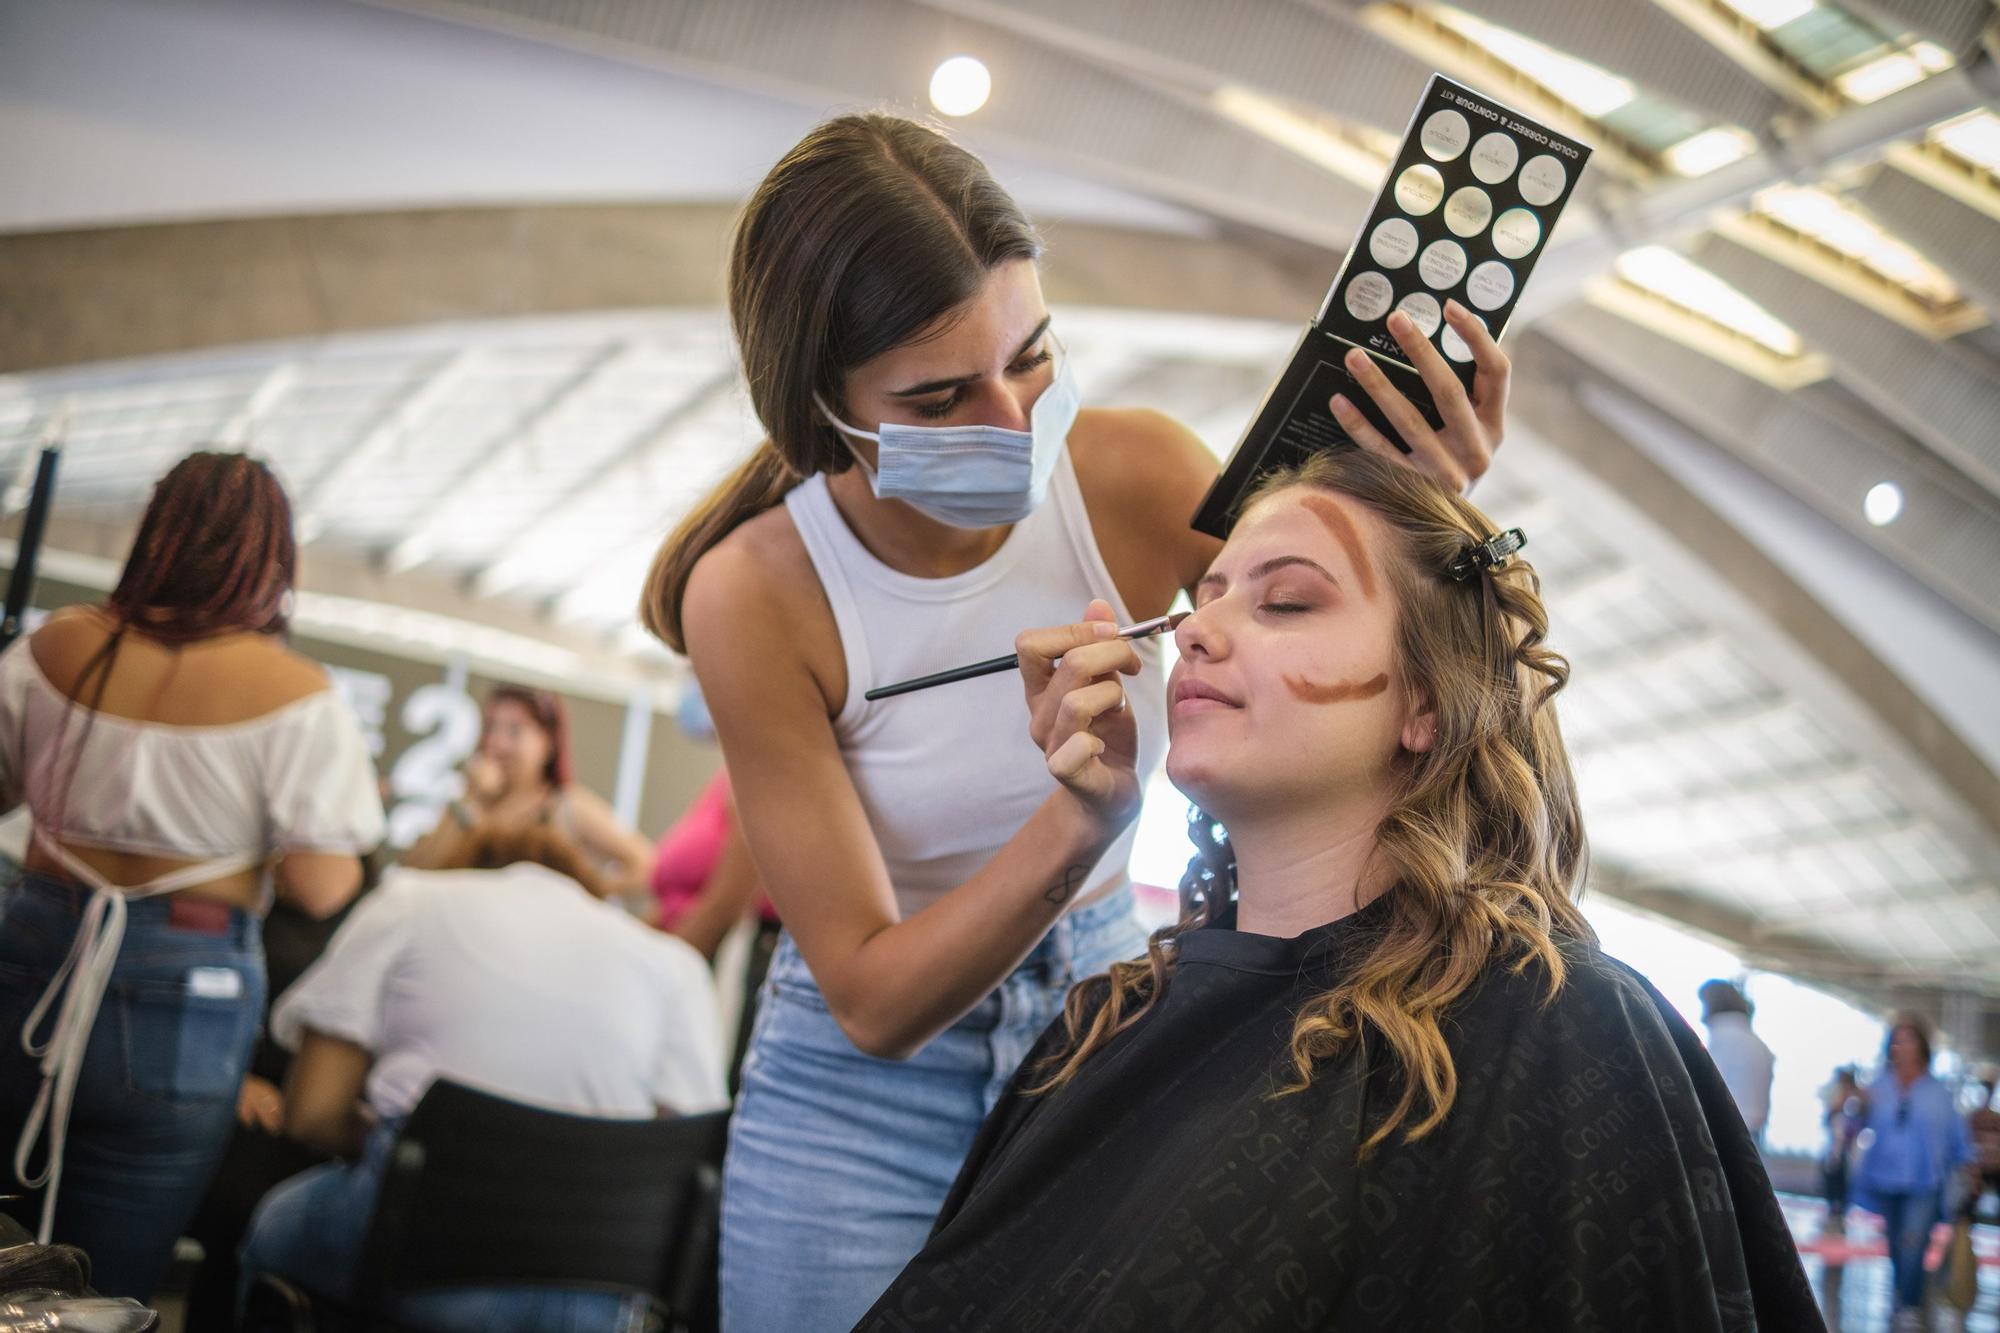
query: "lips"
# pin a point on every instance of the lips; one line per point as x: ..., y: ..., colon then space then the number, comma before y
x: 1195, y: 692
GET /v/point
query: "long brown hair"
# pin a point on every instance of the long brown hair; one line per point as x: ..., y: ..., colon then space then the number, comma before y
x: 864, y: 235
x: 1484, y: 834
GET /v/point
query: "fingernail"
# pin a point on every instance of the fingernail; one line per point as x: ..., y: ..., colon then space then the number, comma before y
x: 1104, y: 628
x: 1340, y: 403
x: 1400, y: 323
x: 1453, y: 308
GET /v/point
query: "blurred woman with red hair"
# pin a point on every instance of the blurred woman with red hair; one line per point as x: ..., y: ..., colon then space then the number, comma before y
x: 522, y: 775
x: 181, y: 764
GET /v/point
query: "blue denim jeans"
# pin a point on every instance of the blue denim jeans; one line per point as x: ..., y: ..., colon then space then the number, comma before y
x: 1907, y: 1220
x: 838, y: 1162
x: 310, y: 1229
x: 156, y: 1099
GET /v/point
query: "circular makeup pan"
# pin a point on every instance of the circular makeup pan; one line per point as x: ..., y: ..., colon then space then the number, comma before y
x: 1369, y: 297
x: 1468, y: 210
x: 1491, y: 285
x: 1445, y: 135
x: 1494, y: 157
x: 1418, y: 190
x: 1455, y: 346
x: 1542, y: 180
x: 1423, y: 308
x: 1517, y: 233
x: 1393, y: 243
x: 1441, y: 265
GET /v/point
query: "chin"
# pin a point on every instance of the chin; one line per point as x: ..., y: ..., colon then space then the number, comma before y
x: 1202, y: 778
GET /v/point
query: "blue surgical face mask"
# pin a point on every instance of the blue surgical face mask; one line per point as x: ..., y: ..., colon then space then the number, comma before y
x: 972, y: 476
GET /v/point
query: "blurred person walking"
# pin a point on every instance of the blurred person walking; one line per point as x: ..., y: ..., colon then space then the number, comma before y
x: 1983, y: 1125
x: 182, y: 765
x: 1843, y: 1111
x: 1745, y: 1061
x: 1918, y: 1141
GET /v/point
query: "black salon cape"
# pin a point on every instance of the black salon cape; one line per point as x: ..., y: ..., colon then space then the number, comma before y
x: 1593, y: 1173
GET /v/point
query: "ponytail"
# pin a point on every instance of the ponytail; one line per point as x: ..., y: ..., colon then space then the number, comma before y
x: 759, y: 484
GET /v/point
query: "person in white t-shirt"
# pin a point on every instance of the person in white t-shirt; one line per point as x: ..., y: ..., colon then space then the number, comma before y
x: 1745, y: 1061
x: 510, y: 975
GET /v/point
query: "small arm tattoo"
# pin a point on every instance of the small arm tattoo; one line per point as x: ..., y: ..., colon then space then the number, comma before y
x: 1062, y: 889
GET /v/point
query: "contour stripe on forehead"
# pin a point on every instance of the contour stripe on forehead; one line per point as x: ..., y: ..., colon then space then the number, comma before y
x: 1342, y: 527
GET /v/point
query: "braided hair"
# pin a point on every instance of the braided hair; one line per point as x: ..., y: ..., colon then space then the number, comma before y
x: 214, y: 554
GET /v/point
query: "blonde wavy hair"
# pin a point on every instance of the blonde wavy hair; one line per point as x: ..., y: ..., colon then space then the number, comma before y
x: 1484, y: 834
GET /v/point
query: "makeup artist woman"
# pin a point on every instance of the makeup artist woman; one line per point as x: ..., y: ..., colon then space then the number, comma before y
x: 928, y: 486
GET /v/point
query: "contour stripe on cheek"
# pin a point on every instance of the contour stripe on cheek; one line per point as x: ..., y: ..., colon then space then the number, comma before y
x: 1343, y: 531
x: 1339, y: 692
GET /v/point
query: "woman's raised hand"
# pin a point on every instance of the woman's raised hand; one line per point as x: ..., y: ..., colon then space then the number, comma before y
x: 1077, y: 711
x: 1458, y: 455
x: 483, y: 780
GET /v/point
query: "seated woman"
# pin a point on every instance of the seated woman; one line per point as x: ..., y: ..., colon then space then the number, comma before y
x: 522, y: 775
x: 1378, y: 1076
x: 508, y: 974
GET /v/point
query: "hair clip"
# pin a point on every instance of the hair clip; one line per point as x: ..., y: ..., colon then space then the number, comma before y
x: 1489, y: 554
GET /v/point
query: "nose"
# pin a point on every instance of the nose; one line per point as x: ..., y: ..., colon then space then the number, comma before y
x: 1014, y: 405
x: 1200, y: 635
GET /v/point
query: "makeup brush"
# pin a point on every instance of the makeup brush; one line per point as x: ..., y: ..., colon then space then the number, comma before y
x: 1145, y: 629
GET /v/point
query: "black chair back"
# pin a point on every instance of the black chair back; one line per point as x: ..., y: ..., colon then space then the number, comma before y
x: 483, y: 1191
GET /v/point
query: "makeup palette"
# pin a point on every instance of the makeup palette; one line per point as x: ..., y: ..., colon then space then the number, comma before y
x: 1464, y: 215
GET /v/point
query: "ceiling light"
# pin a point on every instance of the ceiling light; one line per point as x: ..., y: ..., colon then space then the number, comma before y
x: 1883, y: 504
x: 1974, y: 136
x: 960, y: 86
x: 1893, y: 72
x: 1768, y: 14
x: 1674, y: 277
x: 1356, y: 154
x: 1834, y: 223
x: 1701, y: 153
x: 1594, y: 91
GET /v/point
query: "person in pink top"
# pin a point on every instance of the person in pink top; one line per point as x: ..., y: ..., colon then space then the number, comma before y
x: 703, y: 879
x: 704, y: 882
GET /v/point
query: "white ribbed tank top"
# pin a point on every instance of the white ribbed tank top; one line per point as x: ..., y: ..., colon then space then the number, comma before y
x: 947, y: 775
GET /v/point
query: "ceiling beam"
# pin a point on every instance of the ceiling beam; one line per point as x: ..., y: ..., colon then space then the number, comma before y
x: 99, y: 295
x: 1675, y: 211
x: 406, y: 416
x: 1959, y: 239
x: 1047, y: 104
x: 1811, y: 778
x: 1276, y: 47
x: 508, y: 568
x: 462, y: 489
x: 1939, y: 393
x: 1780, y: 622
x: 1824, y: 449
x: 1956, y: 25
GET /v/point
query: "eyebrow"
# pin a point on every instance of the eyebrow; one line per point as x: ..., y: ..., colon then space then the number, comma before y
x: 932, y: 386
x: 1270, y: 566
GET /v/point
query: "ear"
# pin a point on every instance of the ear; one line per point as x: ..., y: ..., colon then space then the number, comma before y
x: 1419, y: 725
